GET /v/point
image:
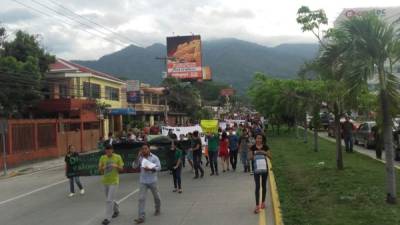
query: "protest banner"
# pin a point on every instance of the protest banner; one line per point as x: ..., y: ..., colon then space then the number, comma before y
x: 182, y: 132
x: 233, y: 122
x: 88, y: 163
x: 209, y: 126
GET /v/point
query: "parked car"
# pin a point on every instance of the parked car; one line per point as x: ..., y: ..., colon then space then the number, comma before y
x: 364, y: 135
x: 325, y: 119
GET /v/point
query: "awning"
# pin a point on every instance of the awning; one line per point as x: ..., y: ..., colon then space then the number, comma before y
x: 122, y: 111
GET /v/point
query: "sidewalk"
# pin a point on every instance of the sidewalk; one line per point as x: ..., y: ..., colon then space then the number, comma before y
x: 359, y: 149
x: 34, y: 167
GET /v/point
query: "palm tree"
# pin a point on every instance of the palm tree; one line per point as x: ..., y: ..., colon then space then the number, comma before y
x: 332, y: 66
x: 374, y: 47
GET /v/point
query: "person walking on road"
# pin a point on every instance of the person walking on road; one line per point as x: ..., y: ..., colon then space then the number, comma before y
x: 71, y: 163
x: 110, y: 164
x: 189, y: 152
x: 149, y: 166
x: 213, y: 140
x: 197, y: 153
x: 244, y: 151
x: 233, y: 149
x: 250, y: 143
x: 177, y: 168
x: 110, y: 140
x: 258, y: 153
x: 223, y: 151
x: 347, y: 130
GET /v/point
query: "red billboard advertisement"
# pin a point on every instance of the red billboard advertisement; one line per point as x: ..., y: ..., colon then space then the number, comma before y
x: 184, y: 57
x: 227, y: 92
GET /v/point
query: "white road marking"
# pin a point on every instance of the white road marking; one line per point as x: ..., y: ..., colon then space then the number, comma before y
x: 129, y: 195
x: 32, y: 192
x: 98, y: 217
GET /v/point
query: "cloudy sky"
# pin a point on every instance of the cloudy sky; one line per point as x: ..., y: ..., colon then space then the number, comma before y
x: 88, y: 29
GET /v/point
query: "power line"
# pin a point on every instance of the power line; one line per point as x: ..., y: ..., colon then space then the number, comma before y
x: 64, y: 22
x: 27, y: 82
x: 71, y: 18
x: 93, y: 22
x: 102, y: 96
x: 17, y: 77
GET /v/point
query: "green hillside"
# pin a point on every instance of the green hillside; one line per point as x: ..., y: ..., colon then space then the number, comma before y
x: 232, y: 61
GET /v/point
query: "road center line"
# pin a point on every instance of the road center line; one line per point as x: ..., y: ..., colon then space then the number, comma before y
x: 129, y: 195
x: 32, y: 192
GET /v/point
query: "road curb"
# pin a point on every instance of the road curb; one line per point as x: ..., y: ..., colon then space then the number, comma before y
x: 276, y: 204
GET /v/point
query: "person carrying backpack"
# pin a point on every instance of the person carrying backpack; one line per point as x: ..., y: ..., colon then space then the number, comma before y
x: 259, y: 153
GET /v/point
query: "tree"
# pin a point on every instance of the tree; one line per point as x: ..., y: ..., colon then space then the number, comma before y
x: 276, y: 99
x: 22, y: 65
x: 329, y: 66
x: 312, y: 21
x: 19, y: 85
x: 182, y: 97
x: 374, y: 47
x: 210, y: 90
x: 26, y: 45
x: 312, y: 94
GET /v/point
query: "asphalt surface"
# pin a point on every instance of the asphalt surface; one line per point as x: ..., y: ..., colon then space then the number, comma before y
x: 42, y: 198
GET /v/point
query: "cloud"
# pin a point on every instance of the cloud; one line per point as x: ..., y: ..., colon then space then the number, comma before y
x: 225, y: 13
x: 16, y: 15
x: 144, y: 22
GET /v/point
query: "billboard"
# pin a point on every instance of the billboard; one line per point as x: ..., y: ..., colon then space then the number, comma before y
x: 227, y: 92
x: 132, y: 85
x: 133, y: 97
x: 389, y: 14
x: 184, y: 57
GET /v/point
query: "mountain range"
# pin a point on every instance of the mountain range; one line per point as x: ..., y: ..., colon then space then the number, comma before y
x: 232, y: 61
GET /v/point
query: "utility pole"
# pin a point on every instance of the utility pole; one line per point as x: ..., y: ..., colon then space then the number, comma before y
x: 3, y: 131
x: 165, y: 60
x: 166, y: 92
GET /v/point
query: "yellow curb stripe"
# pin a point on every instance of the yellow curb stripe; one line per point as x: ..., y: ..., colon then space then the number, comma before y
x: 276, y: 205
x: 262, y: 220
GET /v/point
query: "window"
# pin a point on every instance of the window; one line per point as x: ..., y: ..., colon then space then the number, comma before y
x: 154, y: 100
x: 398, y: 69
x: 63, y: 89
x: 146, y: 99
x: 91, y: 90
x: 112, y: 93
x: 91, y: 126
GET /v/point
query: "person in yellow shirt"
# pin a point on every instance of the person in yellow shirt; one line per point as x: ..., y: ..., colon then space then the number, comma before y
x: 110, y: 164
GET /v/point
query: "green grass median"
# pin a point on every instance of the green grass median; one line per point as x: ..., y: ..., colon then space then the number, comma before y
x: 313, y: 192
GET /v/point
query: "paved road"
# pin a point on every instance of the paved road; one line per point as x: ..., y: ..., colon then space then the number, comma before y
x: 41, y: 198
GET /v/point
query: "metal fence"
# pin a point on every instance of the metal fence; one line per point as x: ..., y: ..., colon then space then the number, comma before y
x: 23, y: 137
x: 46, y: 135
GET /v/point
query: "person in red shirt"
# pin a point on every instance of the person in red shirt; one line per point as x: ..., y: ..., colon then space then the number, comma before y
x: 223, y: 151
